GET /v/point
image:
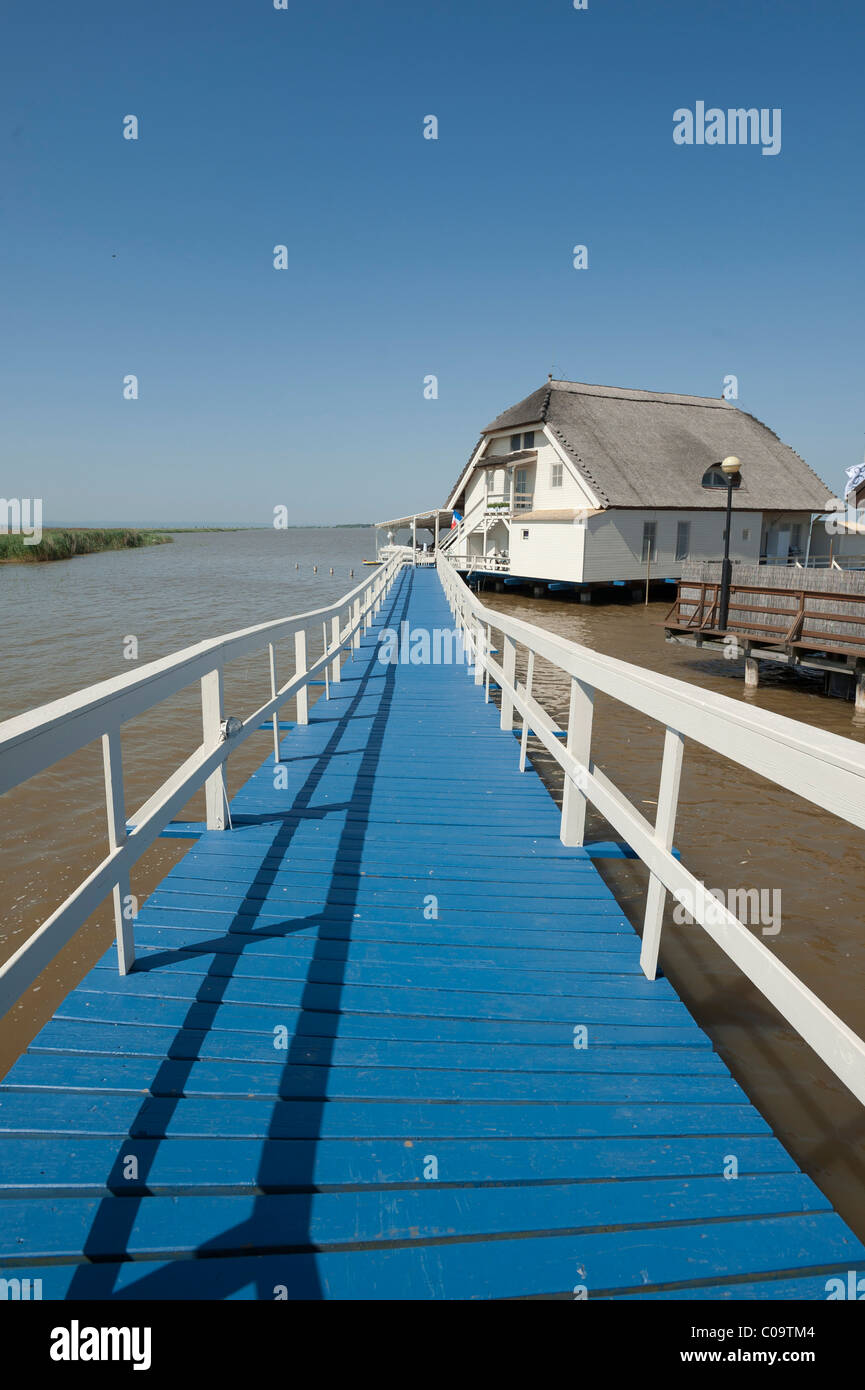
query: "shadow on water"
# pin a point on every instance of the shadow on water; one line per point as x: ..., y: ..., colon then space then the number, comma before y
x: 115, y: 1217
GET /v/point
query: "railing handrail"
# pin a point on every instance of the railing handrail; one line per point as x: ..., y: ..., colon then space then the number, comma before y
x: 175, y: 671
x: 34, y: 741
x: 822, y: 767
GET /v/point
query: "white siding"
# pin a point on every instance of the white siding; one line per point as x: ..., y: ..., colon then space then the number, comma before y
x: 614, y: 543
x: 553, y: 550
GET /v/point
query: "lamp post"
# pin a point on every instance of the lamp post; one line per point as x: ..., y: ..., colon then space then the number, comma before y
x: 730, y: 468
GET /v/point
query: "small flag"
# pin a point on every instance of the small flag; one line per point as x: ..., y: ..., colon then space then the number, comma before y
x: 456, y: 519
x: 855, y: 476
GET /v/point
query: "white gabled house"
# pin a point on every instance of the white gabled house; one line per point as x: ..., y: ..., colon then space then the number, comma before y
x: 593, y: 485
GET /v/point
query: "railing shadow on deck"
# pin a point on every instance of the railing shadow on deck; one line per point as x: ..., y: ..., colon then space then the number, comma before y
x: 115, y: 1217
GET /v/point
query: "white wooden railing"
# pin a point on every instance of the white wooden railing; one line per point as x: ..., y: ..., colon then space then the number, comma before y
x: 37, y: 740
x: 822, y: 767
x: 486, y: 564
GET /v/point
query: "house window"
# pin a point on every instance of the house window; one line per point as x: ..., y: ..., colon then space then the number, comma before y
x: 522, y: 496
x: 796, y: 538
x: 556, y: 475
x: 716, y: 477
x: 529, y: 440
x: 515, y: 442
x: 650, y: 551
x: 525, y: 535
x: 683, y: 540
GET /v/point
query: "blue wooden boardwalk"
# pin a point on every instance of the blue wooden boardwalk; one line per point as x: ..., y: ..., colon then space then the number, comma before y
x: 344, y: 1065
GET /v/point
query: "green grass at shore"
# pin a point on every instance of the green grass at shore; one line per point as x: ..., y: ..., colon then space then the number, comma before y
x: 63, y: 544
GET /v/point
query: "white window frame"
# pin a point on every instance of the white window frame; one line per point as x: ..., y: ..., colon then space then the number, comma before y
x: 650, y: 535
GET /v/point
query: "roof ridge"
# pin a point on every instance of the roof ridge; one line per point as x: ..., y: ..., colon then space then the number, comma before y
x: 625, y: 393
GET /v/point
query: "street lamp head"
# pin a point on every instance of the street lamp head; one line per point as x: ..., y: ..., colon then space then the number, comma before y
x: 731, y: 465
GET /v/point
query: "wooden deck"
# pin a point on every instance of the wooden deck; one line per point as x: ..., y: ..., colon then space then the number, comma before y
x: 321, y: 1081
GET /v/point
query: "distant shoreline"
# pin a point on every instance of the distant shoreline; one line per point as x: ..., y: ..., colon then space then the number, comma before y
x: 66, y: 542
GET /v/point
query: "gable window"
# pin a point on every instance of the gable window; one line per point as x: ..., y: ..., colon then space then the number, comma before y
x: 515, y: 442
x: 529, y: 440
x: 683, y: 540
x: 556, y: 475
x: 650, y: 550
x: 716, y: 477
x: 525, y: 535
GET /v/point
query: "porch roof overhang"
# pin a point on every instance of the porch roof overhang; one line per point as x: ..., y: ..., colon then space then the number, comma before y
x: 507, y: 460
x: 425, y: 520
x: 558, y: 514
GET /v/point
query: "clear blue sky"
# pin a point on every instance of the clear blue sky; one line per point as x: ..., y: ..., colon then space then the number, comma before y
x: 407, y: 256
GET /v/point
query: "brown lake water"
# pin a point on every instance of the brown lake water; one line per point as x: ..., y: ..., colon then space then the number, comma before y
x: 65, y: 626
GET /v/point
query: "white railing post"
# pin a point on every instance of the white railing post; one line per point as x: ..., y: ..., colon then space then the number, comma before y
x: 579, y: 745
x: 124, y: 928
x: 524, y: 735
x: 480, y: 664
x: 302, y: 696
x: 272, y: 656
x: 334, y: 637
x: 665, y: 825
x: 487, y: 671
x: 509, y: 666
x: 355, y: 641
x: 212, y: 715
x: 324, y: 649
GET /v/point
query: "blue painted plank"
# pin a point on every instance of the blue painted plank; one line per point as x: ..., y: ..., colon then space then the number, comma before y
x: 96, y: 1166
x: 504, y: 1268
x: 39, y: 1112
x: 130, y: 1039
x: 219, y: 1225
x: 271, y: 1077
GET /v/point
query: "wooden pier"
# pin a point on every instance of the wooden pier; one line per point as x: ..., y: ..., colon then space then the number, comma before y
x: 805, y: 619
x: 389, y: 1037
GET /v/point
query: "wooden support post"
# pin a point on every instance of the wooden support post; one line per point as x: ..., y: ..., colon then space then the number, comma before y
x: 524, y: 736
x: 665, y: 825
x: 859, y: 698
x: 300, y: 669
x: 414, y: 542
x: 324, y: 649
x: 579, y: 745
x: 355, y: 641
x: 212, y: 716
x: 509, y: 666
x: 124, y: 926
x: 334, y: 637
x: 752, y: 673
x: 273, y: 688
